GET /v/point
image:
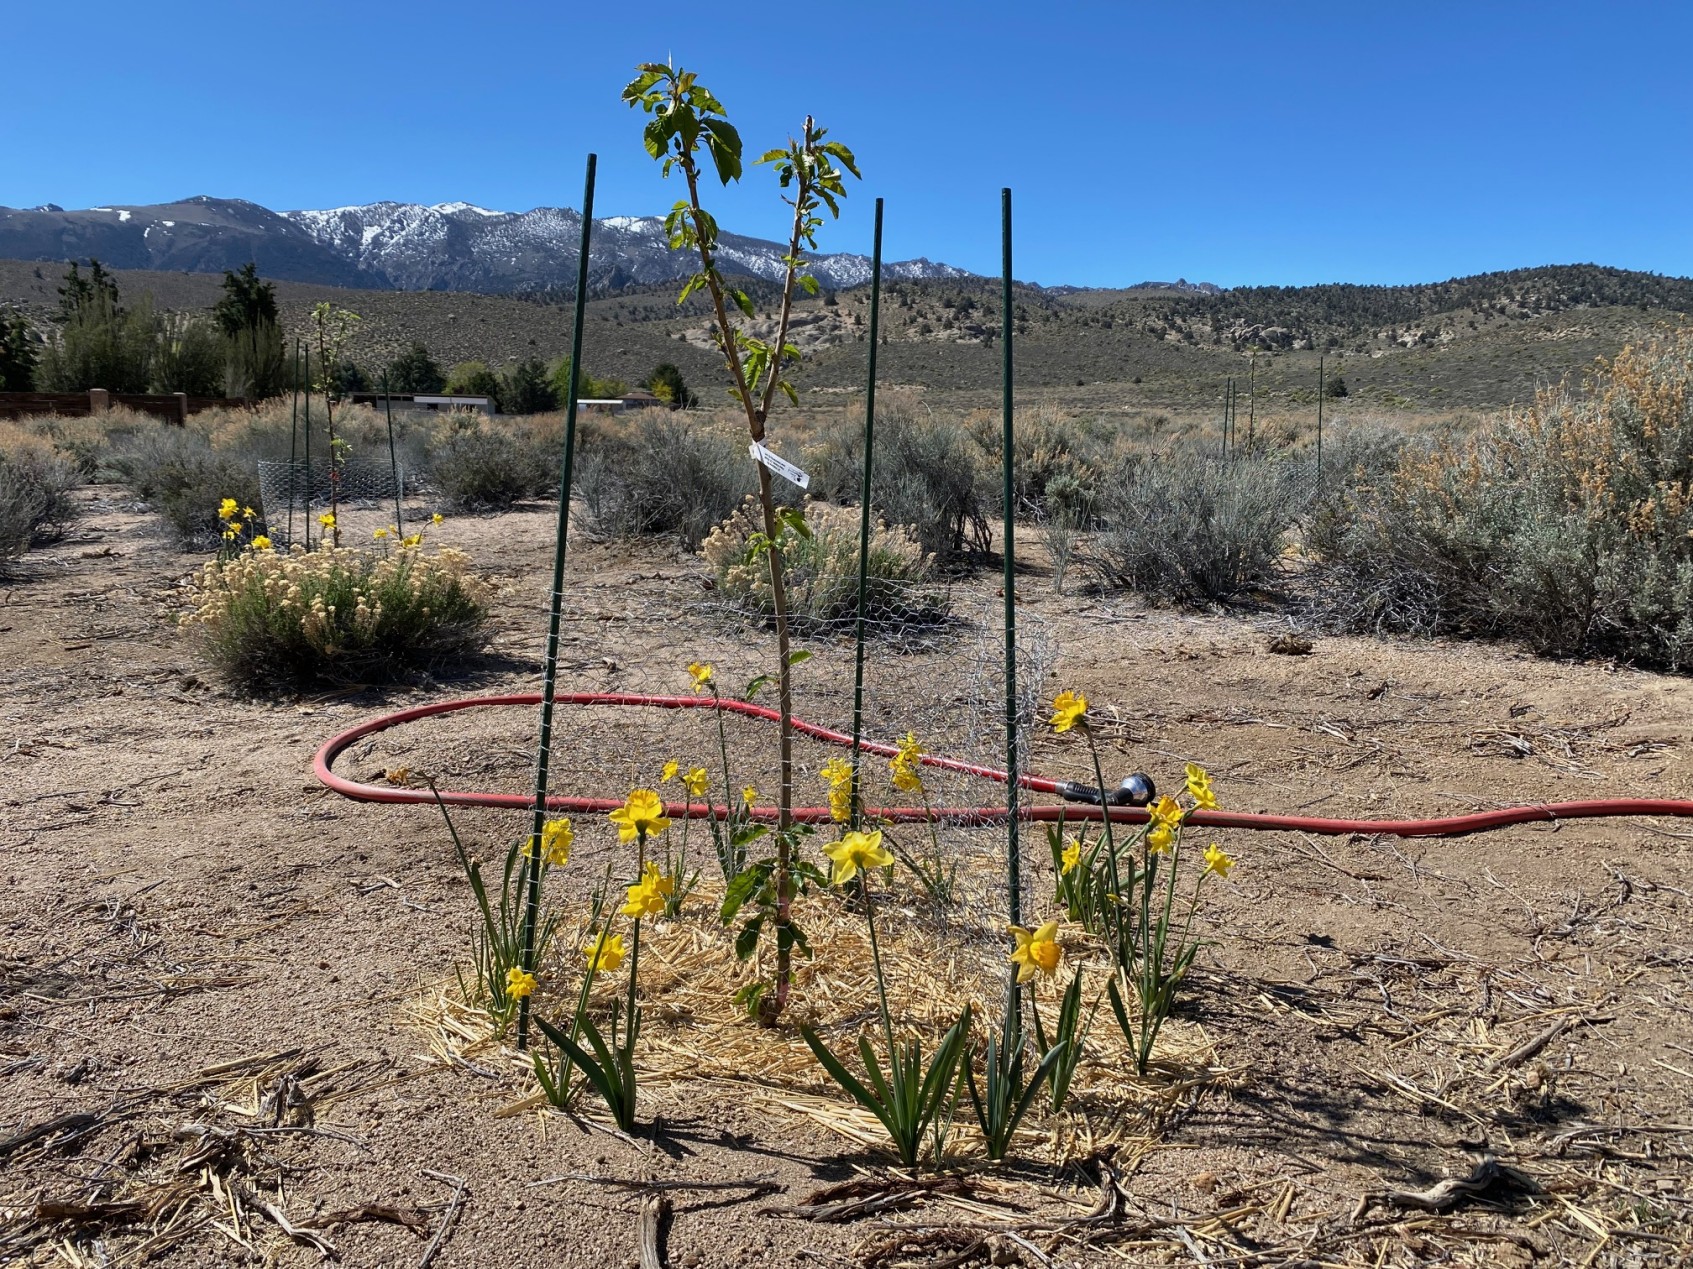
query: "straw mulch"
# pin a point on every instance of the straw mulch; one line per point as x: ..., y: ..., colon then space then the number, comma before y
x: 693, y: 1031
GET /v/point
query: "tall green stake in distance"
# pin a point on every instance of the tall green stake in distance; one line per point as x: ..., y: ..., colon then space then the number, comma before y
x: 864, y: 512
x: 1320, y: 386
x: 532, y: 859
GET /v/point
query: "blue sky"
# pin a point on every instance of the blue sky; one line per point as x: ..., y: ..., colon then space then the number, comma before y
x: 1228, y: 142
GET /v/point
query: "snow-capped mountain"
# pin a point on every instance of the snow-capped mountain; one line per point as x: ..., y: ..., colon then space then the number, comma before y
x: 403, y: 246
x: 461, y: 247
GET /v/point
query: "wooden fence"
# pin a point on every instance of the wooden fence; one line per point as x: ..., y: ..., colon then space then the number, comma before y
x: 174, y: 407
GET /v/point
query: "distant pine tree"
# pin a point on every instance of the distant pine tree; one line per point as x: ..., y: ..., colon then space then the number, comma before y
x: 666, y: 383
x: 248, y: 301
x: 415, y: 371
x: 17, y: 355
x: 527, y: 389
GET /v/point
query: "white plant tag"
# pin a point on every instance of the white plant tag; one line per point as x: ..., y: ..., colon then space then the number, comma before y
x: 776, y: 463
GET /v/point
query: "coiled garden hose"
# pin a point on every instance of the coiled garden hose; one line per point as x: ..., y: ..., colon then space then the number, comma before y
x: 1125, y: 804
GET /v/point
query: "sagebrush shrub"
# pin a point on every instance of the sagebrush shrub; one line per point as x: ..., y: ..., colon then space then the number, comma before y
x: 1194, y: 527
x: 177, y: 471
x: 1059, y: 463
x: 660, y: 473
x: 336, y: 614
x: 821, y: 571
x: 1565, y: 526
x: 927, y: 476
x: 36, y: 481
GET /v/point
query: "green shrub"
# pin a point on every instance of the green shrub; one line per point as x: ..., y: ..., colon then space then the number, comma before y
x: 659, y: 473
x: 1193, y: 527
x: 336, y: 615
x: 489, y: 467
x: 1565, y: 526
x: 927, y: 476
x: 821, y: 570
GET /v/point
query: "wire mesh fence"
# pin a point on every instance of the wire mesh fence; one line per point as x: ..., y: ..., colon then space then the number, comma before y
x: 294, y: 494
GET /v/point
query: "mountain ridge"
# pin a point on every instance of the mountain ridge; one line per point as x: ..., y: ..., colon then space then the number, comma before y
x: 389, y: 245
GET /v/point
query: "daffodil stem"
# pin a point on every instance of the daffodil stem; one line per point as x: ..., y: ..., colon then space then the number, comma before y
x: 1121, y: 939
x: 876, y: 960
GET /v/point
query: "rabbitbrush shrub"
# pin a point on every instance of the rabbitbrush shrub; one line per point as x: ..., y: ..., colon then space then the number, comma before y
x: 1565, y: 526
x: 822, y: 569
x: 336, y: 614
x: 488, y: 467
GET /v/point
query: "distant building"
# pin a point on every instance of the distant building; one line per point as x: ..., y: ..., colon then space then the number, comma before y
x: 636, y: 399
x: 425, y: 402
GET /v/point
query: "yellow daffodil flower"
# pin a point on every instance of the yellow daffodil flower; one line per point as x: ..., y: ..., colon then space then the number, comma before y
x: 228, y: 509
x: 646, y: 897
x: 642, y: 813
x: 1037, y: 952
x: 605, y: 953
x: 695, y: 782
x: 519, y: 983
x: 1217, y: 860
x: 1068, y: 709
x: 1166, y: 810
x: 856, y: 851
x: 261, y: 543
x: 1071, y: 857
x: 380, y: 534
x: 556, y: 839
x: 436, y: 518
x: 903, y: 766
x: 701, y: 675
x: 749, y: 795
x: 248, y: 512
x: 1199, y: 786
x: 670, y: 770
x: 1158, y: 837
x: 838, y: 772
x: 412, y: 541
x: 327, y: 519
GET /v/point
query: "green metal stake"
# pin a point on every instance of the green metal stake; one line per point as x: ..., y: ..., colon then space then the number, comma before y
x: 864, y: 508
x: 393, y: 459
x: 1319, y: 419
x: 1013, y: 862
x: 293, y: 440
x: 306, y: 363
x: 532, y: 900
x: 1251, y: 402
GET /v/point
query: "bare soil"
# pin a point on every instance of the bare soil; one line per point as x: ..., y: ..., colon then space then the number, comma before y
x: 216, y: 979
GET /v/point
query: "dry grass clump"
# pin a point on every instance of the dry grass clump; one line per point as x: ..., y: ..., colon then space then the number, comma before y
x: 337, y: 614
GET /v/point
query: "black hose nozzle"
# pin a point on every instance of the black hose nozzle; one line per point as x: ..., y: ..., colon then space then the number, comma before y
x: 1135, y: 790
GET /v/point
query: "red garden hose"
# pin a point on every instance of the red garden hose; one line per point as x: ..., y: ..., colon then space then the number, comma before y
x: 1448, y: 826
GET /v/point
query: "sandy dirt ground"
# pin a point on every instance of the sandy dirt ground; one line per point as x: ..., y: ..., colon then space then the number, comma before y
x: 225, y: 1025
